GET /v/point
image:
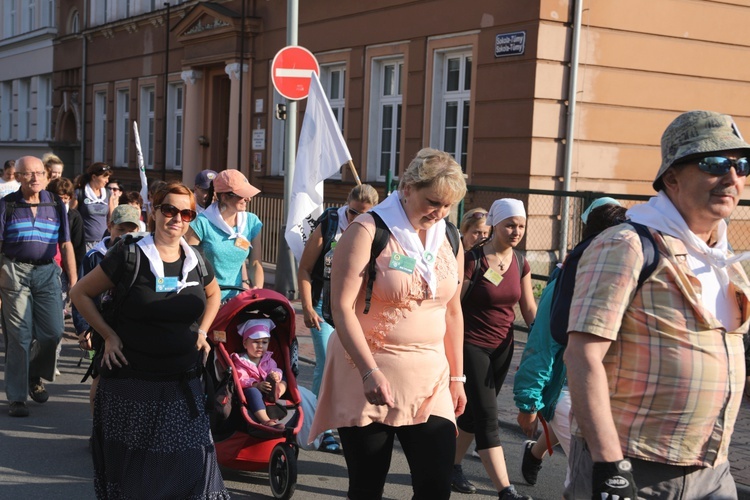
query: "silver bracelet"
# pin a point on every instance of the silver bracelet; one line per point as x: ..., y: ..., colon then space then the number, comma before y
x: 203, y: 332
x: 369, y: 372
x: 462, y: 378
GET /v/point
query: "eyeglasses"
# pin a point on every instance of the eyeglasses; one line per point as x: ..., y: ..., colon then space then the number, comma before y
x: 353, y: 212
x: 29, y: 175
x: 719, y: 165
x: 168, y: 210
x: 479, y: 215
x: 114, y: 188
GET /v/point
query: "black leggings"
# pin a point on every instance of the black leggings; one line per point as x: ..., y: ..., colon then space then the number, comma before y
x: 429, y: 449
x: 485, y: 373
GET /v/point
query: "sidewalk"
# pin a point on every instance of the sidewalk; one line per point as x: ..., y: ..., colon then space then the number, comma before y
x: 739, y: 451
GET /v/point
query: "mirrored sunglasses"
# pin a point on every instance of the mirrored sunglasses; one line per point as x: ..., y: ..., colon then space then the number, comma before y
x: 168, y: 210
x: 719, y: 165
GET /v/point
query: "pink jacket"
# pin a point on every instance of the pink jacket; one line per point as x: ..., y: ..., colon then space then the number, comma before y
x: 249, y: 373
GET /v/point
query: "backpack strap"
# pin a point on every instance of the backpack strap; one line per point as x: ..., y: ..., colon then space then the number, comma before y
x: 475, y: 256
x: 650, y: 252
x: 521, y: 261
x: 202, y: 269
x: 379, y: 242
x: 454, y: 238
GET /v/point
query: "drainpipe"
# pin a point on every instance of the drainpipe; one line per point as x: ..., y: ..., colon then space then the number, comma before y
x: 570, y: 132
x: 84, y: 62
x: 242, y: 80
x: 165, y: 91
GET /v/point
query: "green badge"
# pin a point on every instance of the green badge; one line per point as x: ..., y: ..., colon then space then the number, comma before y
x: 403, y: 263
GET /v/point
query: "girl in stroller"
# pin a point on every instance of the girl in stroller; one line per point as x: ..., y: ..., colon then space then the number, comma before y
x: 260, y: 378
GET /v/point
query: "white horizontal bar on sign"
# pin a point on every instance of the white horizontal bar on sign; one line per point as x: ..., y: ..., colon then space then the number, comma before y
x: 294, y: 73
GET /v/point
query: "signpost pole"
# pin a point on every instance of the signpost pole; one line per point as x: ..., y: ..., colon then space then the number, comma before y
x: 286, y: 272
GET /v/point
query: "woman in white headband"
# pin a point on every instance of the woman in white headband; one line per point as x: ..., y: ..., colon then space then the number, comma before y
x: 496, y: 278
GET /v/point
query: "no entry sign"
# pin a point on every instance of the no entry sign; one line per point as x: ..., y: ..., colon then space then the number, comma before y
x: 291, y: 71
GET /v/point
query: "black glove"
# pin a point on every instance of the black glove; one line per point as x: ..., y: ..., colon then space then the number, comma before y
x: 613, y: 481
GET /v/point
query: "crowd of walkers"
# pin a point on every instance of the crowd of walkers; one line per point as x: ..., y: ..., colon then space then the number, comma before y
x: 636, y: 360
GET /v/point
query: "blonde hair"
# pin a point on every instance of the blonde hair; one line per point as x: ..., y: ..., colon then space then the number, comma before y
x: 364, y: 193
x: 51, y: 159
x: 469, y: 219
x: 435, y: 169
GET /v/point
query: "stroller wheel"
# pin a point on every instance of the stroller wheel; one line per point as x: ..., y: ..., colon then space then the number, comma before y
x: 282, y: 471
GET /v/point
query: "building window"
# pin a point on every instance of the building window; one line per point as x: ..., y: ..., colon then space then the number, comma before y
x: 175, y: 100
x: 75, y: 23
x: 28, y: 15
x: 452, y: 104
x: 44, y: 109
x: 386, y: 98
x: 333, y: 80
x: 100, y: 126
x: 6, y: 110
x: 48, y: 12
x: 146, y: 125
x: 122, y: 128
x: 9, y: 18
x: 24, y: 109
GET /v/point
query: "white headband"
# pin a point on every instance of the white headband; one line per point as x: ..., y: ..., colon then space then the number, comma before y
x: 504, y: 208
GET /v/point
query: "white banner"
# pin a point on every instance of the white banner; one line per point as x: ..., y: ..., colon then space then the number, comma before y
x: 320, y: 154
x: 141, y: 166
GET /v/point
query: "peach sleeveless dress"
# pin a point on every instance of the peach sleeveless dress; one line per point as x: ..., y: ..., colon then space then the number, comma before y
x: 405, y: 330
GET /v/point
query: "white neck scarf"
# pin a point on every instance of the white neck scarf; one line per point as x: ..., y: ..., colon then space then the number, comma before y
x: 659, y: 213
x: 157, y: 265
x: 343, y: 220
x: 395, y: 218
x: 214, y: 215
x: 89, y: 192
x: 101, y: 247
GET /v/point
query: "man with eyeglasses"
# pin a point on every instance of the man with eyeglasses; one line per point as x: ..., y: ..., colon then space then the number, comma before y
x: 656, y: 373
x: 33, y: 222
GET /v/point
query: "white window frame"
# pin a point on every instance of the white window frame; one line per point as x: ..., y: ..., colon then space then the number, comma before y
x: 100, y: 125
x: 24, y: 109
x: 10, y: 11
x: 48, y: 13
x: 28, y: 15
x: 330, y: 75
x: 147, y: 123
x: 379, y: 100
x: 175, y: 124
x: 122, y: 127
x: 74, y: 26
x: 44, y: 108
x: 461, y: 96
x: 6, y: 110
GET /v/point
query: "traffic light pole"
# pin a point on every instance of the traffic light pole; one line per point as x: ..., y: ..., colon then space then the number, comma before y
x: 286, y: 270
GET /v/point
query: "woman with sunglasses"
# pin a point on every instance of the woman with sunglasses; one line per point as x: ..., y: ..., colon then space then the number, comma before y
x: 228, y: 233
x: 310, y: 279
x: 474, y: 227
x: 94, y: 202
x: 151, y: 434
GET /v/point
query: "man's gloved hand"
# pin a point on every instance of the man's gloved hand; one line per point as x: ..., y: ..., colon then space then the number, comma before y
x: 613, y: 481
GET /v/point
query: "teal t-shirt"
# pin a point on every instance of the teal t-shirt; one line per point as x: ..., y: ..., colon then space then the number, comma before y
x: 226, y: 258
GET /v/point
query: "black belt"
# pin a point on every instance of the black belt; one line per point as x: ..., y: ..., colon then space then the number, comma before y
x: 33, y: 262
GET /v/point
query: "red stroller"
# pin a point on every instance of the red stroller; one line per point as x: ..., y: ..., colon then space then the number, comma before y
x: 241, y: 443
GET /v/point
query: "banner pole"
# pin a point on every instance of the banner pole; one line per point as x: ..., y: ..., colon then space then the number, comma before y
x: 354, y: 172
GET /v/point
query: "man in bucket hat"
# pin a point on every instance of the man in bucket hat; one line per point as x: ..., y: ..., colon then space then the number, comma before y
x: 656, y: 373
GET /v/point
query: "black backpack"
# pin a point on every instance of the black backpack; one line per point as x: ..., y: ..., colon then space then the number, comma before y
x: 329, y: 223
x: 379, y: 242
x: 566, y: 280
x: 475, y: 254
x: 112, y: 300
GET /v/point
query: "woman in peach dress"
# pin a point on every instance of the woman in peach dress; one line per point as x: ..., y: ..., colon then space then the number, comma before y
x: 397, y: 371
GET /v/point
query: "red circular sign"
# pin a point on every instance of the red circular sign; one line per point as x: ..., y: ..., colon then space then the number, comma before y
x: 291, y: 71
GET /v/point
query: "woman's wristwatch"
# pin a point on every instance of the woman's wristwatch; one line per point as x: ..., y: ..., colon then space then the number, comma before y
x: 462, y: 379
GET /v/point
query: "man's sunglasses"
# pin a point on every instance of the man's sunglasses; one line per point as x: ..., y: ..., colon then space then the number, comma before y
x: 353, y: 212
x: 718, y: 165
x: 170, y: 211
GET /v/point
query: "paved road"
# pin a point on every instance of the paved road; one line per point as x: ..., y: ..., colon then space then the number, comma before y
x: 45, y: 456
